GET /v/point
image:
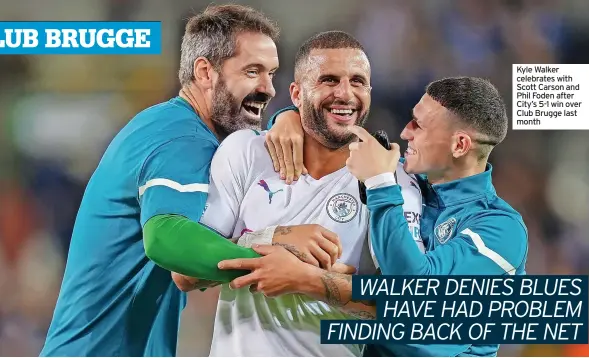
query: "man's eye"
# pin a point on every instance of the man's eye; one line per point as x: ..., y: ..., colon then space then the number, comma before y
x: 252, y: 73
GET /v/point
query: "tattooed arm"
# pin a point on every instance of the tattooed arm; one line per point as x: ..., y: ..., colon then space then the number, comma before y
x: 311, y: 244
x: 335, y: 289
x: 279, y: 272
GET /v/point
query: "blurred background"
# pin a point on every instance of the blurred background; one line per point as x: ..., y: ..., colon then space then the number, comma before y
x: 58, y: 113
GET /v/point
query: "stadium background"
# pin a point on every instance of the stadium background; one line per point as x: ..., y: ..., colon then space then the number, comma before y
x: 57, y: 114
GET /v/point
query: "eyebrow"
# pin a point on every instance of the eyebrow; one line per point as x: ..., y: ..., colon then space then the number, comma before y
x: 331, y: 75
x: 360, y: 76
x: 258, y: 65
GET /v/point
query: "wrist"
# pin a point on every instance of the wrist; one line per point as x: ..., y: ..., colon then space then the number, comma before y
x: 310, y: 282
x: 261, y: 237
x: 381, y: 180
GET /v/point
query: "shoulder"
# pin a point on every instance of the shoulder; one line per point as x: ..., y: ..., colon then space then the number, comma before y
x: 244, y: 138
x: 171, y: 121
x: 244, y: 145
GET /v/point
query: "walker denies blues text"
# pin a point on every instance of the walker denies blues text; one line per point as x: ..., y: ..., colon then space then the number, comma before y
x: 467, y: 310
x: 80, y: 38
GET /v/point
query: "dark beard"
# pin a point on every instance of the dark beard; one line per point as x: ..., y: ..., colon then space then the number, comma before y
x: 316, y: 124
x: 226, y: 112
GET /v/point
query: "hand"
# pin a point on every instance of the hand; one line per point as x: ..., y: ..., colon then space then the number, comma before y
x: 338, y: 267
x: 284, y: 142
x: 369, y: 158
x: 187, y: 284
x: 277, y: 272
x: 312, y: 244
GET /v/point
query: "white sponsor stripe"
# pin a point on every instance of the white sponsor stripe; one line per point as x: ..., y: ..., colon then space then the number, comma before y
x: 186, y: 188
x: 495, y: 257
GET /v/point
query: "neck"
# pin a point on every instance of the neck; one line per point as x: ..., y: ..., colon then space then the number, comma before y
x: 320, y: 160
x: 195, y: 97
x: 459, y: 170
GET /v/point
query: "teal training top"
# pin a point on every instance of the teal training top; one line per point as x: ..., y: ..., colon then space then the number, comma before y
x: 114, y: 301
x: 467, y: 229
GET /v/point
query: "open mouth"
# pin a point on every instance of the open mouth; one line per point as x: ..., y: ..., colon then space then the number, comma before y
x: 342, y: 114
x: 410, y: 151
x: 254, y: 109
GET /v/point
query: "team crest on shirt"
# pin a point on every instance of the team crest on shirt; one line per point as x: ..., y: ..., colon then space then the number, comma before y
x: 444, y: 231
x: 342, y: 207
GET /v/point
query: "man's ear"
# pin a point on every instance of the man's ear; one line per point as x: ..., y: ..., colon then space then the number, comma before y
x: 204, y: 73
x: 295, y: 94
x: 461, y: 144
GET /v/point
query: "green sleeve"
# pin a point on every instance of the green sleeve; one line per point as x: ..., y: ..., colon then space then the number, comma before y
x: 181, y: 245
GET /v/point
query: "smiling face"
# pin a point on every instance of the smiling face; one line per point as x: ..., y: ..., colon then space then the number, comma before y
x: 244, y: 86
x: 430, y: 139
x: 333, y: 94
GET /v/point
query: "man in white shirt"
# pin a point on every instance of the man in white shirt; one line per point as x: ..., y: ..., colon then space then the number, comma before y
x: 332, y: 92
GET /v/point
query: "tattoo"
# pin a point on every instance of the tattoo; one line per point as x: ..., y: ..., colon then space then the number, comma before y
x: 283, y: 230
x: 361, y: 314
x: 332, y: 293
x: 366, y: 302
x: 334, y: 297
x: 293, y: 250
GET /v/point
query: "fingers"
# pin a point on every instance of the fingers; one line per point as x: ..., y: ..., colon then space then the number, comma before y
x: 297, y: 156
x: 239, y: 264
x: 331, y: 236
x: 323, y: 257
x: 287, y: 156
x: 395, y: 147
x: 276, y: 153
x: 361, y: 133
x: 330, y: 248
x: 343, y: 268
x: 265, y: 249
x: 272, y: 151
x: 243, y: 281
x: 184, y: 283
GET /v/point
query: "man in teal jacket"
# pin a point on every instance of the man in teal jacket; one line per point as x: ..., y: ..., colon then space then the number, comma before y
x: 467, y: 228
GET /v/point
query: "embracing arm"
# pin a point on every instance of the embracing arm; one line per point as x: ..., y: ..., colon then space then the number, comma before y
x: 284, y: 142
x: 335, y: 289
x: 172, y: 191
x: 184, y: 246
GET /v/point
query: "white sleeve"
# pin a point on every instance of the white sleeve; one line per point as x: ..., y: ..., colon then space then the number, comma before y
x: 229, y: 174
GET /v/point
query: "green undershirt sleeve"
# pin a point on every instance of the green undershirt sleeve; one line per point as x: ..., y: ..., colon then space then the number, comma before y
x: 178, y: 244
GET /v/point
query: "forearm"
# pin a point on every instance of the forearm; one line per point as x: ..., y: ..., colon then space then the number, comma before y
x: 335, y: 289
x: 272, y: 119
x: 189, y: 248
x: 392, y: 242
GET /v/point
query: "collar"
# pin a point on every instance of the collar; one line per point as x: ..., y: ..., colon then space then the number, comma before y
x: 184, y: 103
x: 458, y: 191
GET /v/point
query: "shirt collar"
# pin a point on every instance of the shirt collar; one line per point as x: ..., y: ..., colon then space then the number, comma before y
x: 460, y: 190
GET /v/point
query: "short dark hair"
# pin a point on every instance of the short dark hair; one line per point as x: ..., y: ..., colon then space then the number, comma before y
x: 477, y: 103
x: 212, y: 34
x: 324, y: 40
